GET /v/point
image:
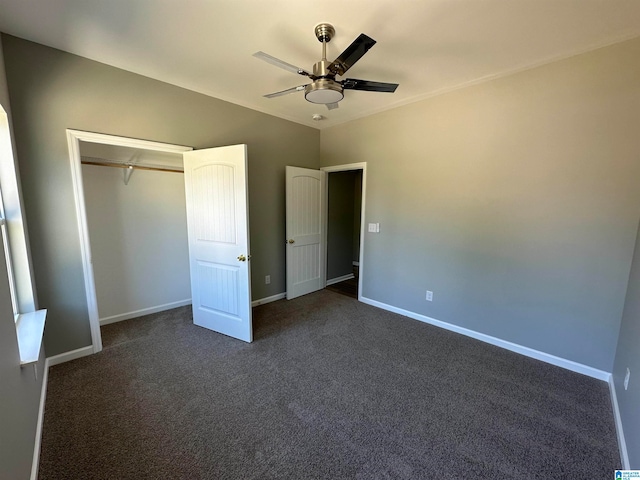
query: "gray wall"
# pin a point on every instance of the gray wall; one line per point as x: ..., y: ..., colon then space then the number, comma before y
x: 340, y: 224
x: 628, y: 356
x: 138, y: 238
x: 515, y: 201
x: 19, y: 386
x: 51, y: 91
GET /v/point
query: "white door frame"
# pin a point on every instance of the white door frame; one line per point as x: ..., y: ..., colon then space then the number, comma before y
x: 345, y: 168
x: 74, y: 137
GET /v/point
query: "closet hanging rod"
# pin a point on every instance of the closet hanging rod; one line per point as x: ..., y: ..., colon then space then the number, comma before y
x: 134, y: 167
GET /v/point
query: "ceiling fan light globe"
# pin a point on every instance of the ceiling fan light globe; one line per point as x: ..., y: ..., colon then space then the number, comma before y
x: 323, y: 91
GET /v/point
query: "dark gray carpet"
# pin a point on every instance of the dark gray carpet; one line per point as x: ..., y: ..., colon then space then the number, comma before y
x: 346, y: 287
x: 331, y: 388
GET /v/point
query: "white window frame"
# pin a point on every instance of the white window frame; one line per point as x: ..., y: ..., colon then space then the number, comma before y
x: 7, y: 254
x: 29, y: 322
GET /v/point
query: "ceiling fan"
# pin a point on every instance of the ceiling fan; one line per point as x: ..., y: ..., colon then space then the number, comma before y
x: 324, y: 88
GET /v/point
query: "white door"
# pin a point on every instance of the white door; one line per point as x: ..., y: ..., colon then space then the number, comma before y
x: 305, y: 221
x: 218, y: 232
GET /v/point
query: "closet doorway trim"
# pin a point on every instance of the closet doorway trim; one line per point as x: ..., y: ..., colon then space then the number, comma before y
x: 74, y: 137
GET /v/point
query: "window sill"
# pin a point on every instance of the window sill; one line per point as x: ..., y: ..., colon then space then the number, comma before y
x: 30, y: 328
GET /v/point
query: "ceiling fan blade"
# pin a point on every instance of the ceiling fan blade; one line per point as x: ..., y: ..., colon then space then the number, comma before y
x: 299, y: 88
x: 369, y: 86
x: 279, y: 63
x: 332, y: 106
x: 352, y: 54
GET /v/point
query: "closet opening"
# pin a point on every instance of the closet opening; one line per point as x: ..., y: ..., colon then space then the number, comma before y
x: 130, y: 201
x: 136, y: 217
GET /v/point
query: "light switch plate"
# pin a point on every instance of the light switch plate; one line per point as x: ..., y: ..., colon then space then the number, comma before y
x: 374, y: 228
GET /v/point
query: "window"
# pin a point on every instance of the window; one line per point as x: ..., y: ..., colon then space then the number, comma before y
x: 7, y: 256
x: 29, y: 322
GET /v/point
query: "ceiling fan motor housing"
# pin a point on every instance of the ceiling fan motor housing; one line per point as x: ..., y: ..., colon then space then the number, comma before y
x: 323, y: 90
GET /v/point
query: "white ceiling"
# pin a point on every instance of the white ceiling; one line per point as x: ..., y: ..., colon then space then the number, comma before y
x: 427, y: 46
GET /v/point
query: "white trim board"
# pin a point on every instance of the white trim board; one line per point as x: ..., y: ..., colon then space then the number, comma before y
x: 622, y: 444
x: 49, y: 362
x: 340, y: 279
x: 272, y: 298
x: 514, y: 347
x: 35, y: 465
x: 68, y: 356
x: 144, y: 311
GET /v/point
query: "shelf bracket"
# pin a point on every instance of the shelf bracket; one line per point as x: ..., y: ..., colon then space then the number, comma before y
x: 127, y: 174
x: 129, y: 170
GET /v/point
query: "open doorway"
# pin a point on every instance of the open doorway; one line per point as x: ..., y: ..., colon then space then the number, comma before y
x: 345, y: 217
x: 344, y: 201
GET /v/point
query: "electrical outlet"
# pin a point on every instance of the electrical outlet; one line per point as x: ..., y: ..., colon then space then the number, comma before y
x: 626, y: 379
x: 429, y: 296
x: 267, y: 279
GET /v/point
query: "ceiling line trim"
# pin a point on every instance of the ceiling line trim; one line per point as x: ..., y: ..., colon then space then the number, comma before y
x: 495, y: 76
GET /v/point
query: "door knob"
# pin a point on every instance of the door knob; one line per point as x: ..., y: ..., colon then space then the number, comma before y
x: 242, y: 258
x: 292, y: 241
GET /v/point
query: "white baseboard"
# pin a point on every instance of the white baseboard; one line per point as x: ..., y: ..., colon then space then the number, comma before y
x: 270, y: 299
x: 49, y: 362
x: 68, y: 356
x: 145, y: 311
x: 622, y: 444
x: 35, y: 465
x: 514, y: 347
x: 340, y: 279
